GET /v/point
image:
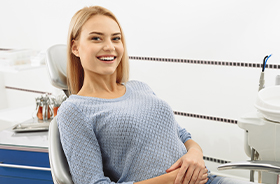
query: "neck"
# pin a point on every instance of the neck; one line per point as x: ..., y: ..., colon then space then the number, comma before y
x: 101, y: 86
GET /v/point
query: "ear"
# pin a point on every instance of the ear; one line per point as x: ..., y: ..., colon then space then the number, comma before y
x: 74, y: 48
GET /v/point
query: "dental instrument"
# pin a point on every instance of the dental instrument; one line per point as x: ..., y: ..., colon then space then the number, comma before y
x: 262, y: 81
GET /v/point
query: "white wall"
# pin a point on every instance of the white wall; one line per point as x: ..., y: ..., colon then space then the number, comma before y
x: 234, y: 31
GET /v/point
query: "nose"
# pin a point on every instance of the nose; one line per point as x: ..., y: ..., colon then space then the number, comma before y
x: 109, y: 46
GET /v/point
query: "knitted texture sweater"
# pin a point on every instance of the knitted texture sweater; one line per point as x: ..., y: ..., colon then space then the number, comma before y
x: 122, y: 140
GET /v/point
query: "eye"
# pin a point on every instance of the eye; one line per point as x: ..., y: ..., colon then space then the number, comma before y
x: 117, y: 38
x: 96, y: 38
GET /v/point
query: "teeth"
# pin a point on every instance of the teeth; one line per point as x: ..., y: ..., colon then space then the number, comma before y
x: 107, y: 58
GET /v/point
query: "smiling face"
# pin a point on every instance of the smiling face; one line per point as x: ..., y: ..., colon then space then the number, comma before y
x: 99, y: 46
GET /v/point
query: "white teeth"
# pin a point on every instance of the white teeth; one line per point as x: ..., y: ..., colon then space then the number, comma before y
x: 107, y: 58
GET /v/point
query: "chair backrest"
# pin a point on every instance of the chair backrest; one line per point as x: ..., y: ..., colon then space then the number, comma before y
x: 59, y: 166
x: 56, y: 62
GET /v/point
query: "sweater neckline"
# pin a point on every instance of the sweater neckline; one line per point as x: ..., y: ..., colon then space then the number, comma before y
x: 126, y: 94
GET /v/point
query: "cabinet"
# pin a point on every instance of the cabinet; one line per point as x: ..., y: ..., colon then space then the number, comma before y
x: 24, y: 158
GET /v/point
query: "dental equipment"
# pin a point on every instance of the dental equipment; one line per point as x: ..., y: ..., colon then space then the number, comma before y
x: 262, y: 81
x: 262, y: 134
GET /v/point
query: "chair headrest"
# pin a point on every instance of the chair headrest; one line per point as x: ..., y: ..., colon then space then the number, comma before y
x: 57, y: 63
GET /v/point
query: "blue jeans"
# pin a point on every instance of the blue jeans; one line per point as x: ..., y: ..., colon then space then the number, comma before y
x: 213, y: 179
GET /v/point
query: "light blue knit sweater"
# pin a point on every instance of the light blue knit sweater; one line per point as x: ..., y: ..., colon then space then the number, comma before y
x: 123, y: 140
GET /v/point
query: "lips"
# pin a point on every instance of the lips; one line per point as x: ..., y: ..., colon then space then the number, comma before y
x: 107, y: 58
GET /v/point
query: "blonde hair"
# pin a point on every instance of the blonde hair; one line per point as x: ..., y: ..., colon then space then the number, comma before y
x: 75, y: 71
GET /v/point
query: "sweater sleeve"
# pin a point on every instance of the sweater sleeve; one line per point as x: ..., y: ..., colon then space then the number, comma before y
x: 80, y: 146
x: 183, y: 134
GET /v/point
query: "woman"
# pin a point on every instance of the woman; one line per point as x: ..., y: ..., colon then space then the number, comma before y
x: 113, y: 130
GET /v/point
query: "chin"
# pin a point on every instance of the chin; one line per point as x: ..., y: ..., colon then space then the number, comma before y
x: 111, y: 72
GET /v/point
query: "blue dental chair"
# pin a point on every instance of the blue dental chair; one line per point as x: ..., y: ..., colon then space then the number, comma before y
x: 56, y: 64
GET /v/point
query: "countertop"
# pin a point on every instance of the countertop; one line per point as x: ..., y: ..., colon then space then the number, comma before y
x: 25, y: 141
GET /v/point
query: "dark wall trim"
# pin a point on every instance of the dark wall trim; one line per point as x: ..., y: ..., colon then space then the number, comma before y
x: 212, y: 118
x: 216, y: 160
x: 203, y: 62
x: 27, y: 90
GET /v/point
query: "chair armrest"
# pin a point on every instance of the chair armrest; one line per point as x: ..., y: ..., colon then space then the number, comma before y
x: 258, y: 165
x: 58, y: 163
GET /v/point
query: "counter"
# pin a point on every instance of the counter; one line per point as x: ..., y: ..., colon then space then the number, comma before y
x: 12, y: 116
x: 24, y: 157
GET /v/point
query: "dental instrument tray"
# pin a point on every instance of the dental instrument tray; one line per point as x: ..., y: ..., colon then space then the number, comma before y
x: 32, y: 126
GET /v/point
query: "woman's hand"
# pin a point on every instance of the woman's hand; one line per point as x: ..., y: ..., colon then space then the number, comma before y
x: 192, y: 168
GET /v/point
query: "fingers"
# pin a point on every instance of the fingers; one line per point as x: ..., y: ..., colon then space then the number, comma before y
x: 205, y: 170
x: 176, y: 165
x: 203, y: 181
x: 182, y: 174
x: 191, y: 176
x: 195, y: 175
x: 203, y: 175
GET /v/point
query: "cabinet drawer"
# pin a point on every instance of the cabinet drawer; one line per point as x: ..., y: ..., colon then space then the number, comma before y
x: 29, y: 158
x: 9, y: 180
x: 16, y: 165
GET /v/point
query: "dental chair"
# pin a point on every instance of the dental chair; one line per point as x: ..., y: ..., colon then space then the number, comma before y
x: 56, y: 64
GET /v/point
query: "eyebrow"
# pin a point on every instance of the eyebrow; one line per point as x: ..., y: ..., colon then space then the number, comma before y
x: 99, y: 33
